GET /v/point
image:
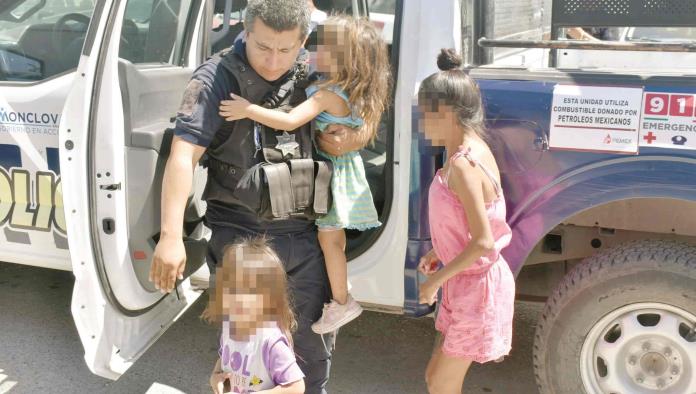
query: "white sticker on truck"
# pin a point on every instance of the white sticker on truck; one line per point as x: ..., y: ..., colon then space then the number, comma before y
x: 595, y: 118
x: 669, y: 121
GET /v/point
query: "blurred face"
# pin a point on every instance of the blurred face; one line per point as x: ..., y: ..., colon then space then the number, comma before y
x: 247, y: 293
x: 244, y: 308
x: 437, y: 121
x: 271, y: 53
x: 325, y: 59
x: 330, y: 56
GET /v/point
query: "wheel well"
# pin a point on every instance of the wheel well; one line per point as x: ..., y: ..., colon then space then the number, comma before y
x: 600, y: 228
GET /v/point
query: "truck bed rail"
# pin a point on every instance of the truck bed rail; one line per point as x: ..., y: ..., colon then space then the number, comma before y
x: 599, y: 45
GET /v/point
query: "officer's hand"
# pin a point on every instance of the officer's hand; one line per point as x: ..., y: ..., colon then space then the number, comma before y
x: 234, y: 109
x: 336, y: 140
x: 168, y: 263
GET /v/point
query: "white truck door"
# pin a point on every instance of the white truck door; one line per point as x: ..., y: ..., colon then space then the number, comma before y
x: 114, y: 138
x: 40, y: 46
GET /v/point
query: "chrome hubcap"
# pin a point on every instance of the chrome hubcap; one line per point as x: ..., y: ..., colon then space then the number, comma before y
x: 641, y: 348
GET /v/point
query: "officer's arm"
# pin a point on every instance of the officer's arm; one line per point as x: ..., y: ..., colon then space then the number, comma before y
x: 169, y: 259
x: 339, y: 139
x: 196, y: 123
x: 176, y: 185
x: 578, y: 33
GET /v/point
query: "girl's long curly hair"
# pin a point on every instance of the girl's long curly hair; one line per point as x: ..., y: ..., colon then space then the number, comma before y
x: 365, y: 73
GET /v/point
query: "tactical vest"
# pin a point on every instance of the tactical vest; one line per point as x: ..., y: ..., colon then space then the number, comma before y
x: 275, y: 174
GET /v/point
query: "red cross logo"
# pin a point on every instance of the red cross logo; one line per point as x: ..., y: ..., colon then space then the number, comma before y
x: 650, y: 137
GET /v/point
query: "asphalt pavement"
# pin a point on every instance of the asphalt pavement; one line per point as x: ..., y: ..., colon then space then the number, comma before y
x: 40, y: 350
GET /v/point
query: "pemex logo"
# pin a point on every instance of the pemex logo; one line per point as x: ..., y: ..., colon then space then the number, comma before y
x: 607, y: 139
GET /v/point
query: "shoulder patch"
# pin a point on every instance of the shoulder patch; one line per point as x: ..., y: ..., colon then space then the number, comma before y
x: 191, y: 94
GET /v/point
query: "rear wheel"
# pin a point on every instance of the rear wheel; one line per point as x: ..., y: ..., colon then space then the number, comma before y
x: 623, y: 322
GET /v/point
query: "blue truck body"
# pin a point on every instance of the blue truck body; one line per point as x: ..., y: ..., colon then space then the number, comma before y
x: 544, y: 187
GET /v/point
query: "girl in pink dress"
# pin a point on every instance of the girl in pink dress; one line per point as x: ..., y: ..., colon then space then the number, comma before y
x: 468, y: 230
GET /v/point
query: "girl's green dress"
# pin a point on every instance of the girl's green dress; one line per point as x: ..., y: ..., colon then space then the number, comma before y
x: 353, y: 207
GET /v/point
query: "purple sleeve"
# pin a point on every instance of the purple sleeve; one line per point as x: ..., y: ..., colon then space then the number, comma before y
x: 280, y: 361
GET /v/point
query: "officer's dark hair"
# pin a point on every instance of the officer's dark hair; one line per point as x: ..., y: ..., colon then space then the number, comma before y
x: 452, y: 86
x: 279, y: 15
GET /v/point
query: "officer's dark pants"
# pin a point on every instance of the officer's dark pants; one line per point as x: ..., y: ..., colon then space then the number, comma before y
x: 309, y: 289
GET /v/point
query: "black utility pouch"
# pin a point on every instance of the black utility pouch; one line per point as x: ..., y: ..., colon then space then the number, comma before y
x: 297, y: 188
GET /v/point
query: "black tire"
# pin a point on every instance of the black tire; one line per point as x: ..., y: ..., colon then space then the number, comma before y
x: 638, y: 272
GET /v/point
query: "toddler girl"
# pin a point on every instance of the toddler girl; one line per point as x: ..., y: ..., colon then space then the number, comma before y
x: 251, y: 299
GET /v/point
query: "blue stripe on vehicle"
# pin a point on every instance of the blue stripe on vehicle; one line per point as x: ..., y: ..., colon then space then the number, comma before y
x: 10, y: 156
x: 53, y: 160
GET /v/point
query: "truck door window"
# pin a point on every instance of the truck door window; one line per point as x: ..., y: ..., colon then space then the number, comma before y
x: 154, y: 31
x: 382, y: 16
x: 612, y: 43
x: 661, y: 34
x: 520, y: 20
x: 39, y: 40
x: 593, y: 33
x: 626, y: 59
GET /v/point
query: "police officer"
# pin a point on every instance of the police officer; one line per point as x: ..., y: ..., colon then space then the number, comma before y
x: 275, y: 34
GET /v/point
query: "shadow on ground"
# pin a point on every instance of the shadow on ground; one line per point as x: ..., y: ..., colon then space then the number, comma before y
x: 40, y: 350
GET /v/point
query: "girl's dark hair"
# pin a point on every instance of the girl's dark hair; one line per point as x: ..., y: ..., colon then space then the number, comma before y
x: 452, y: 86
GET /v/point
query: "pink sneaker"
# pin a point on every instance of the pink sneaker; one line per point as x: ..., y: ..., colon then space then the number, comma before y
x: 336, y: 315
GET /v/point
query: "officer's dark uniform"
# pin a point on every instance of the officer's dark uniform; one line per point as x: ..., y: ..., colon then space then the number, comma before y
x: 295, y: 240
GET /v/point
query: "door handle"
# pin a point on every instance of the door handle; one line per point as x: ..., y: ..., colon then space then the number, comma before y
x: 111, y: 187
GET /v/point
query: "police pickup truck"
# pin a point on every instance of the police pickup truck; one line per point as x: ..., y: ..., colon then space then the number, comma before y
x: 597, y: 165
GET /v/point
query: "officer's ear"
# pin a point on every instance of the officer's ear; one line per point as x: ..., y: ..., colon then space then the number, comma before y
x: 245, y: 32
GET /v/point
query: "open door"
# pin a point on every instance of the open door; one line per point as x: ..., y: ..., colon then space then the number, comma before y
x: 114, y: 140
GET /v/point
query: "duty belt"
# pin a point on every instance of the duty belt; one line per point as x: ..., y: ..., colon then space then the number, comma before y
x: 222, y: 168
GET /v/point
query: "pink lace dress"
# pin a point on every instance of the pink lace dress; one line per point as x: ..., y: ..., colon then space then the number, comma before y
x: 475, y: 315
